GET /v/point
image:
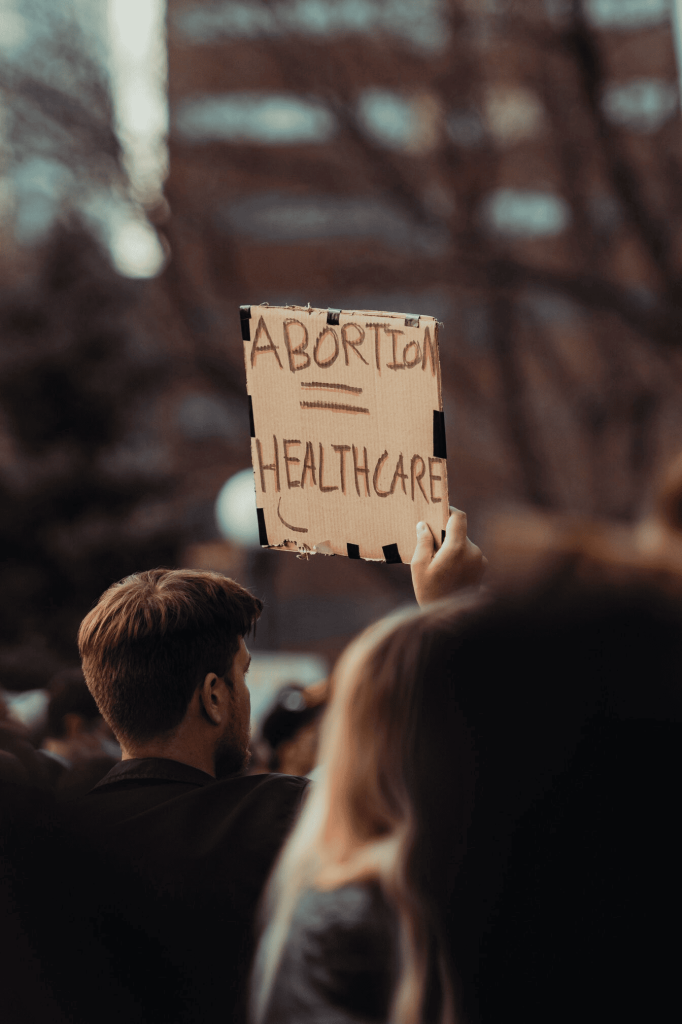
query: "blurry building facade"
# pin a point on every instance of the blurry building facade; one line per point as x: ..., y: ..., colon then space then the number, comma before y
x: 511, y: 168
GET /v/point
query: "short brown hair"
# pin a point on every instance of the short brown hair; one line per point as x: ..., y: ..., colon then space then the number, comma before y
x: 152, y: 638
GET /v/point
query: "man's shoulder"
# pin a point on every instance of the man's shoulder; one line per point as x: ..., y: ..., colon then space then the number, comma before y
x: 270, y: 796
x: 265, y: 783
x: 152, y: 770
x: 217, y: 841
x: 247, y: 816
x: 146, y: 801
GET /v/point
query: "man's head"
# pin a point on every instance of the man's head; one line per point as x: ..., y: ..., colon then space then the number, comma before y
x: 160, y: 644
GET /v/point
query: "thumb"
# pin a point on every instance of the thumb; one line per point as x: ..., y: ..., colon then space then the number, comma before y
x: 423, y: 553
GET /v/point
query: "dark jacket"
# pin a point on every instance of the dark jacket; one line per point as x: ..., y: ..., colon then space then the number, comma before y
x: 339, y: 964
x: 181, y: 860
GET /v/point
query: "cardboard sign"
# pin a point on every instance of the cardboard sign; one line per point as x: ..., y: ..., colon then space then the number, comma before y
x: 348, y: 436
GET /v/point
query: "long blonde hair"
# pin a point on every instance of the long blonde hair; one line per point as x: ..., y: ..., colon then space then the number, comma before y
x: 391, y: 737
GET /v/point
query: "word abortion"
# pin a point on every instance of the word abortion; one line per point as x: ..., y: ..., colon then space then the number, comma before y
x: 328, y: 346
x: 353, y: 468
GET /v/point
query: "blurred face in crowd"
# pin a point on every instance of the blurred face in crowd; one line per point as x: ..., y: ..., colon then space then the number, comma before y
x: 232, y: 752
x: 84, y: 739
x: 298, y: 756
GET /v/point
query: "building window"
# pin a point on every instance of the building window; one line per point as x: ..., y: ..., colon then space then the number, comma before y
x: 643, y: 105
x: 523, y: 213
x: 275, y: 119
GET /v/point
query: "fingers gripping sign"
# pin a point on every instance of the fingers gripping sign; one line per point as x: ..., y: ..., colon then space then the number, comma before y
x: 458, y: 563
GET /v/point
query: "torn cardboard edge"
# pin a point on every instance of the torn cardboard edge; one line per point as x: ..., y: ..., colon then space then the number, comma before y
x: 391, y: 553
x: 333, y: 315
x: 392, y: 557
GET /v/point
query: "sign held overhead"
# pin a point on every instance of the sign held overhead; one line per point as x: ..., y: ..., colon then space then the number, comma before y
x: 347, y: 429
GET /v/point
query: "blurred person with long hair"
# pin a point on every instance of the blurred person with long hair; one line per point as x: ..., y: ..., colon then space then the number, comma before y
x: 356, y: 893
x: 353, y: 929
x: 495, y: 828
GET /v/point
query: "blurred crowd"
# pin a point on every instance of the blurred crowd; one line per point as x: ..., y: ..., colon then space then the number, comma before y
x: 474, y: 817
x: 58, y: 741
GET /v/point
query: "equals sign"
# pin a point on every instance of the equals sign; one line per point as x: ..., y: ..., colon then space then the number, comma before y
x: 332, y: 406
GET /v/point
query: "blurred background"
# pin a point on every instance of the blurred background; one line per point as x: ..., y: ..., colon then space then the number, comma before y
x: 512, y: 168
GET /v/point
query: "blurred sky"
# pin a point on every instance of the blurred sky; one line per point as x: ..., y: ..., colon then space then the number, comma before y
x: 136, y: 32
x: 137, y: 41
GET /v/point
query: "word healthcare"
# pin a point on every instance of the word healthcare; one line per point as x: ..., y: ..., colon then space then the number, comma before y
x: 347, y: 429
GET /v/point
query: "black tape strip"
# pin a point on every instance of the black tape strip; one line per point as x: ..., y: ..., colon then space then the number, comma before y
x: 245, y: 316
x: 391, y: 554
x: 439, y: 451
x: 333, y: 316
x: 411, y: 321
x: 251, y: 426
x: 353, y: 550
x: 262, y: 532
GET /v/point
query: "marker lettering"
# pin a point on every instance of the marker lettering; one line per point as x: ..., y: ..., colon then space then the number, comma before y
x: 395, y: 365
x: 363, y: 470
x: 348, y: 342
x: 399, y: 474
x: 432, y: 478
x: 375, y: 477
x: 270, y: 347
x: 377, y: 343
x: 308, y: 464
x: 326, y: 333
x: 428, y: 346
x: 287, y: 459
x: 321, y: 465
x: 296, y: 350
x: 342, y: 449
x: 409, y: 363
x: 417, y: 477
x: 274, y: 466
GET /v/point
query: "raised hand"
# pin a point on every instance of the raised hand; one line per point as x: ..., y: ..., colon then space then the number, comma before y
x: 458, y: 563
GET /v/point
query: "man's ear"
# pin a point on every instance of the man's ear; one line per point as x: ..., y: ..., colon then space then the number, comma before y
x: 212, y: 697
